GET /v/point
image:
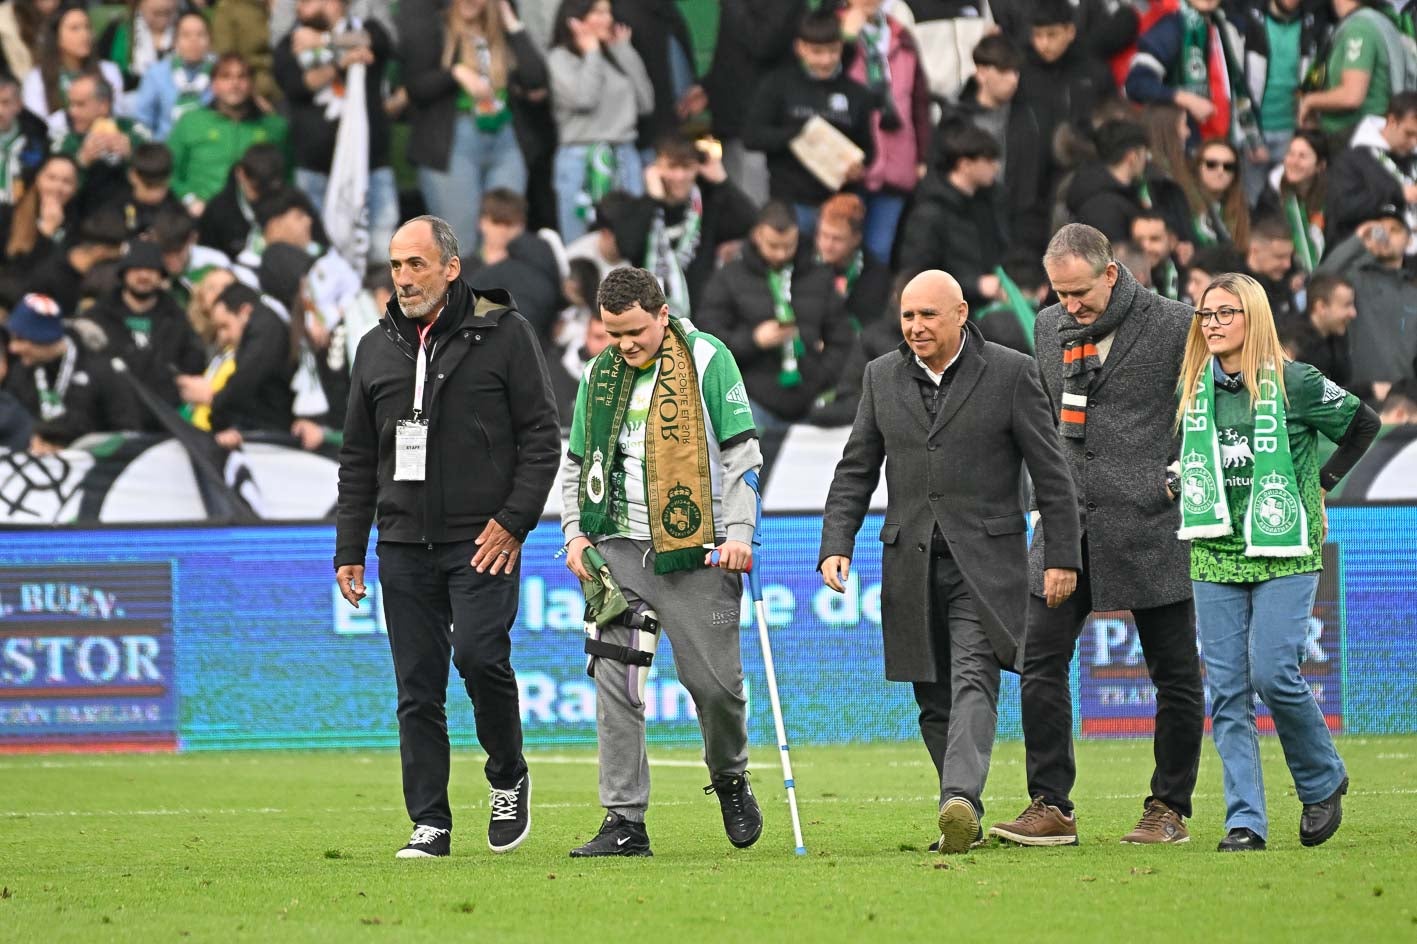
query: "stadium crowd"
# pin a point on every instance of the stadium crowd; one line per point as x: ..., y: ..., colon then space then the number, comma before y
x: 167, y: 203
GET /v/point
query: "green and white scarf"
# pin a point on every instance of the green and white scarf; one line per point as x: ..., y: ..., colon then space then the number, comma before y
x: 780, y: 285
x: 600, y: 171
x: 678, y: 477
x: 669, y: 259
x: 1276, y: 524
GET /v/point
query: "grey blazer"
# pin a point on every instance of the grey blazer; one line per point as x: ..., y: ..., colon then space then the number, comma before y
x: 963, y: 474
x: 1134, y: 560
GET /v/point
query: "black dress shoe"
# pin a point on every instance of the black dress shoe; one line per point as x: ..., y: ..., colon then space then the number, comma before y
x: 1241, y: 839
x: 1320, y: 820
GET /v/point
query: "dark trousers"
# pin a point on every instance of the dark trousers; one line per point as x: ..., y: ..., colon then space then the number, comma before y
x: 960, y: 711
x: 426, y: 589
x: 1168, y: 642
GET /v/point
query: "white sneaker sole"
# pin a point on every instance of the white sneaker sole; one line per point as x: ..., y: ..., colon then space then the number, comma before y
x: 1022, y: 840
x: 958, y: 826
x: 415, y: 854
x: 524, y: 833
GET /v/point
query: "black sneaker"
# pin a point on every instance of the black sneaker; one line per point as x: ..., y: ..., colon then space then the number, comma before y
x: 618, y: 836
x: 1321, y: 820
x: 511, y: 816
x: 742, y: 819
x: 427, y: 842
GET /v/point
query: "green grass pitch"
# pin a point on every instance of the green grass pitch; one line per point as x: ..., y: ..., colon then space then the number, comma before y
x: 299, y: 847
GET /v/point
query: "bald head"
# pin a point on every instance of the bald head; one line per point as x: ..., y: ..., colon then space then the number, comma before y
x: 932, y: 317
x: 932, y: 288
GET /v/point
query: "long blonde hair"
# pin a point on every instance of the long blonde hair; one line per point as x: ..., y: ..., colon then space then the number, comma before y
x: 459, y: 44
x: 1261, y: 345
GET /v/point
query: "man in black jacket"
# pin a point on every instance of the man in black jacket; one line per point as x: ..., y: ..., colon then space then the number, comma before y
x: 1270, y: 259
x: 147, y: 328
x: 61, y: 275
x: 256, y: 396
x: 148, y: 191
x: 1060, y: 80
x: 957, y: 223
x: 690, y: 209
x: 784, y: 324
x: 989, y: 101
x: 1379, y: 168
x: 451, y: 433
x: 788, y: 98
x: 754, y: 38
x: 1104, y: 194
x: 67, y: 389
x: 229, y: 219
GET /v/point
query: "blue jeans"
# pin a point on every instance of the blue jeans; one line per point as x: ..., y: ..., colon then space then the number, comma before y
x: 570, y: 182
x: 1253, y: 637
x: 382, y: 202
x: 882, y: 217
x: 479, y: 162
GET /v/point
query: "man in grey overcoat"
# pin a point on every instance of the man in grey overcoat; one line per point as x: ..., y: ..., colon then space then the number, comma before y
x: 958, y: 418
x: 1110, y: 356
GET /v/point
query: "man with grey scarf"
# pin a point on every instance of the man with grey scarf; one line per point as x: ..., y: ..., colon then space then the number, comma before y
x: 1110, y: 354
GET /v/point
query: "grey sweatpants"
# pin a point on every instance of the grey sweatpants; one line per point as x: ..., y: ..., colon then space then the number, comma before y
x: 698, y: 610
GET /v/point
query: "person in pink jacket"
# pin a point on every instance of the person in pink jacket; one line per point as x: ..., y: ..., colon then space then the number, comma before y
x: 883, y: 56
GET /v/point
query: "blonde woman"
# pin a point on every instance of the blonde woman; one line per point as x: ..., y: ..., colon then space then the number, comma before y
x: 1252, y: 506
x: 466, y: 74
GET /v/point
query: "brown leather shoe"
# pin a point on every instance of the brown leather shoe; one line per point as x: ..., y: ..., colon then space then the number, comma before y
x: 1159, y: 825
x: 1039, y: 825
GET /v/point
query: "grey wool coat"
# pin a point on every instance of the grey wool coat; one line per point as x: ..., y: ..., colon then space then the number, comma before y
x: 1134, y: 560
x: 962, y: 475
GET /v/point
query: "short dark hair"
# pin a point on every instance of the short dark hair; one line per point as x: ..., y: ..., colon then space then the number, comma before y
x: 1272, y: 227
x: 998, y: 52
x: 501, y: 205
x: 622, y: 289
x: 586, y: 276
x: 228, y: 58
x: 173, y: 229
x: 152, y: 162
x: 1152, y: 216
x: 1051, y: 13
x: 263, y: 164
x: 101, y: 89
x: 238, y: 294
x: 778, y: 216
x: 280, y: 202
x: 1322, y: 287
x: 965, y: 142
x: 1117, y: 139
x: 677, y: 149
x: 1402, y: 105
x: 1213, y: 260
x: 103, y: 228
x: 820, y: 27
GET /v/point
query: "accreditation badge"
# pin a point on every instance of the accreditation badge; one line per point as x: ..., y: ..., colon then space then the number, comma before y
x: 410, y: 450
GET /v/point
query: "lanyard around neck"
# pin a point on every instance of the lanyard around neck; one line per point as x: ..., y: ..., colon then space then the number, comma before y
x: 420, y: 371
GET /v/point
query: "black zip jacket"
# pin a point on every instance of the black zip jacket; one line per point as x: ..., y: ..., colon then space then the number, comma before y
x: 737, y: 299
x: 494, y: 443
x: 257, y: 396
x: 784, y: 101
x: 157, y: 345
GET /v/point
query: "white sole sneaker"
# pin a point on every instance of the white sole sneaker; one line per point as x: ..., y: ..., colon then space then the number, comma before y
x: 521, y: 837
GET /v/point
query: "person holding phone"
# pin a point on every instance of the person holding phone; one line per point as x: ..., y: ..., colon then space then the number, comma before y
x: 1251, y: 491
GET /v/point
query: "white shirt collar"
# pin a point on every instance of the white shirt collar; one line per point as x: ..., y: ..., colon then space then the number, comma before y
x: 934, y: 377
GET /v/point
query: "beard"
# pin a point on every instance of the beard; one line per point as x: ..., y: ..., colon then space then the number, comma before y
x: 145, y: 295
x: 317, y: 22
x: 423, y: 306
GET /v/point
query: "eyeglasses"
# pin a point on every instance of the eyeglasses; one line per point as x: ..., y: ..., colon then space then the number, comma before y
x: 1221, y: 316
x: 1227, y: 166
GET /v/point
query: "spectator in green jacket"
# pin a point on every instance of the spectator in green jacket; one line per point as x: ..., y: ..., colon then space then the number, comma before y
x: 207, y: 142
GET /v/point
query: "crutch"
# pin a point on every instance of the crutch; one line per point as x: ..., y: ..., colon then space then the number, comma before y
x: 755, y: 587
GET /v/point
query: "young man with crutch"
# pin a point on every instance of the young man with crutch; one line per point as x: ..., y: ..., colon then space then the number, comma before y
x: 656, y: 490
